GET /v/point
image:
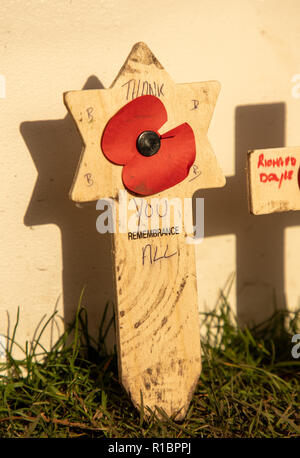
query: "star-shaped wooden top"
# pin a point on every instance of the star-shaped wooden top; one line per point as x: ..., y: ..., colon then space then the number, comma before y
x: 142, y: 74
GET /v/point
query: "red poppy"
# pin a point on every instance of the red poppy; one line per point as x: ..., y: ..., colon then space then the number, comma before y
x: 165, y: 160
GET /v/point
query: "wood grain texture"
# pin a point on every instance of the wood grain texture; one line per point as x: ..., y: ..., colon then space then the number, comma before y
x: 273, y: 180
x: 159, y: 339
x: 156, y: 294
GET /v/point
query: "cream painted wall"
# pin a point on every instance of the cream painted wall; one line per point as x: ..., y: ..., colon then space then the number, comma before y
x: 50, y: 248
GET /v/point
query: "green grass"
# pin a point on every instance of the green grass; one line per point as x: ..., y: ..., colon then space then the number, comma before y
x: 249, y: 386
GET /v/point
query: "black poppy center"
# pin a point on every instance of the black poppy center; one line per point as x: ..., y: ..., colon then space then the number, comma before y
x: 148, y: 143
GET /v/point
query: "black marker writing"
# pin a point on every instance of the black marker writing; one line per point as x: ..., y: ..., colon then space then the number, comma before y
x: 196, y: 103
x: 89, y: 111
x: 137, y: 88
x: 195, y: 172
x: 147, y: 250
x: 89, y: 179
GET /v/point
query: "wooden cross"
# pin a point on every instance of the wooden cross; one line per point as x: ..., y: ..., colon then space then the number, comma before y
x: 156, y: 310
x: 273, y: 180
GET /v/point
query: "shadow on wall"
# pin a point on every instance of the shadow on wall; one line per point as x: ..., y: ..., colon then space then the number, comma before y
x: 55, y: 147
x: 260, y: 239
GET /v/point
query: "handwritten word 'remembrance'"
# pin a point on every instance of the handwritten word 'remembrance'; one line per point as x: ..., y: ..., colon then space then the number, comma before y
x: 153, y: 233
x: 136, y: 88
x: 279, y: 162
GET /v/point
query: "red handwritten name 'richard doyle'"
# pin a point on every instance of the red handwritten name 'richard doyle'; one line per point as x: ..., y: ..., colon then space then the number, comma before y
x: 287, y: 164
